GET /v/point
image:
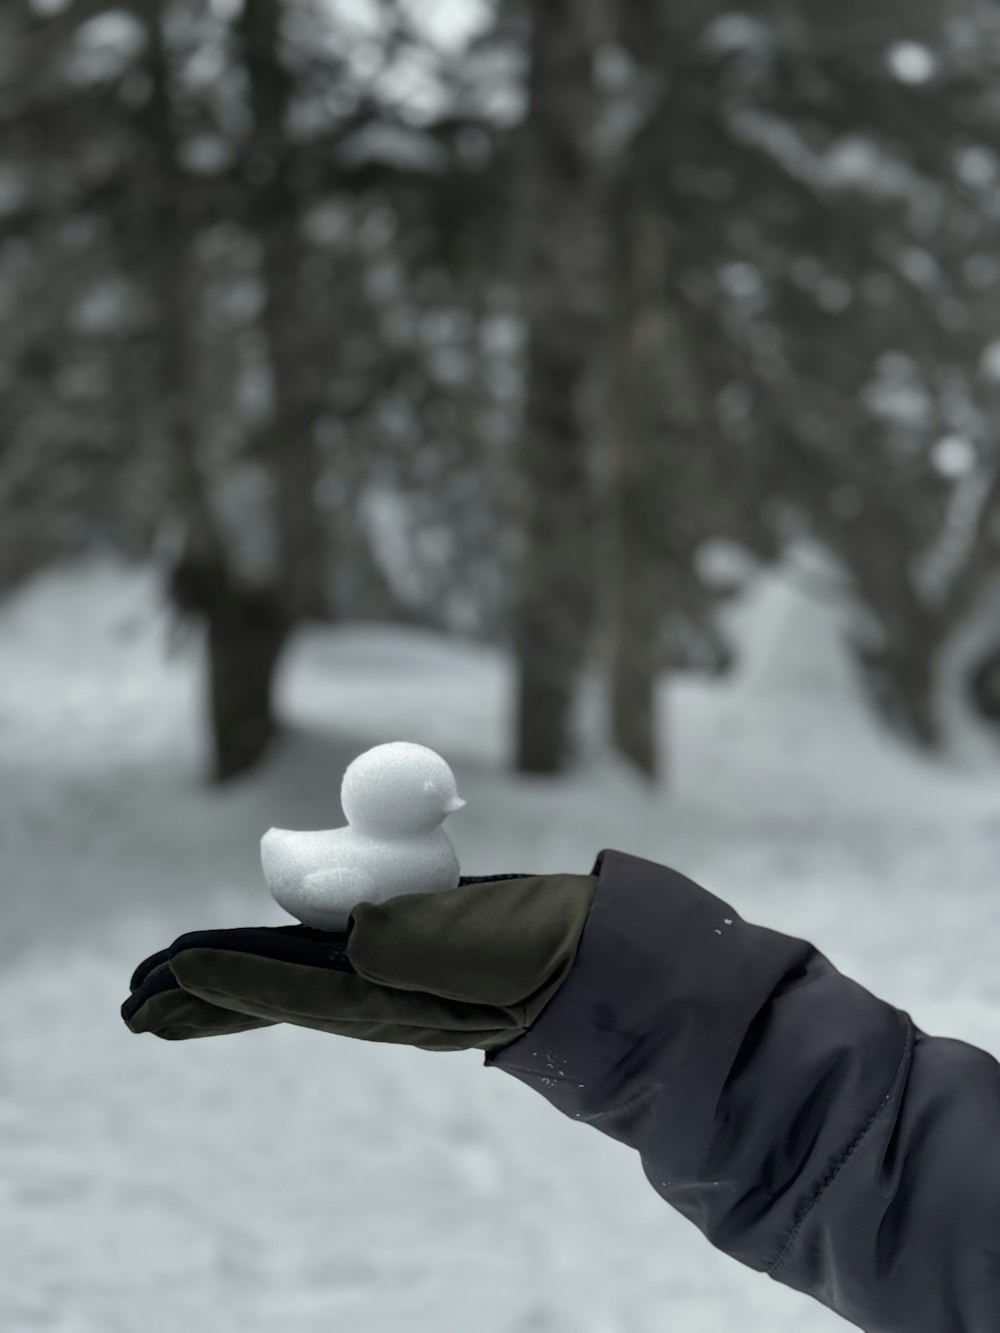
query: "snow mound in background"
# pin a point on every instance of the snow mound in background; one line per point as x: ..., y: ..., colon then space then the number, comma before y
x: 791, y: 643
x: 87, y: 678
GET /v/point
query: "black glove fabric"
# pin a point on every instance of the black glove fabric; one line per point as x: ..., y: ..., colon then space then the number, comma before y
x: 472, y: 966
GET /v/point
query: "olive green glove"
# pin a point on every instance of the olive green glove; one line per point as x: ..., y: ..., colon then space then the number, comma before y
x: 472, y: 966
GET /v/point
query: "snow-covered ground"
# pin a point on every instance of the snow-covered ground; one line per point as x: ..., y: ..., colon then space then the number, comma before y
x: 292, y: 1182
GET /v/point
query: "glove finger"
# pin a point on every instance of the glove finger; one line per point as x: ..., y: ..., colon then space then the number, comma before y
x: 146, y: 968
x: 237, y: 938
x: 301, y: 946
x: 329, y: 999
x: 161, y: 1007
x: 487, y: 943
x: 157, y: 979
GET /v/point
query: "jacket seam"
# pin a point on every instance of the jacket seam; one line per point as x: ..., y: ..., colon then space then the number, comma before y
x: 831, y: 1176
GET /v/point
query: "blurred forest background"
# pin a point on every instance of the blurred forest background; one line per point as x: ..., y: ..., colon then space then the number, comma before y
x: 540, y: 325
x: 603, y: 393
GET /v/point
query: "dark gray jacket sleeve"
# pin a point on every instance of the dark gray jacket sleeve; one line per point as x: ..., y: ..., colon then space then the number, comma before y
x: 805, y: 1126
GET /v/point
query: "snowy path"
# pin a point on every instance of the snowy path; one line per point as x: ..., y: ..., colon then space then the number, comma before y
x: 283, y: 1180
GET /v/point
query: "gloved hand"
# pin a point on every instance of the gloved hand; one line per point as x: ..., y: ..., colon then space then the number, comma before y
x: 472, y: 966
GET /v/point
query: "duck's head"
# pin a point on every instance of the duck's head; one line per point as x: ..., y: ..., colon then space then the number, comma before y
x: 398, y: 789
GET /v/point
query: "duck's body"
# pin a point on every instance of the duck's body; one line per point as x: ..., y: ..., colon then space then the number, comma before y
x: 317, y: 877
x: 396, y: 797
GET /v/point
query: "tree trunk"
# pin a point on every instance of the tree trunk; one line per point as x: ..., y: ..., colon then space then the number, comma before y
x: 915, y: 633
x: 899, y: 671
x: 639, y: 449
x: 562, y: 298
x: 914, y: 680
x: 900, y: 677
x: 634, y: 667
x: 245, y: 640
x: 983, y: 685
x: 247, y: 630
x: 287, y: 317
x: 246, y: 627
x: 169, y: 241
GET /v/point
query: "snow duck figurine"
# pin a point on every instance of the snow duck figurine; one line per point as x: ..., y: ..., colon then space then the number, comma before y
x: 395, y: 797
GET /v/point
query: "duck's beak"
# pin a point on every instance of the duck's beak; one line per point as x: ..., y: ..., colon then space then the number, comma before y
x: 455, y: 804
